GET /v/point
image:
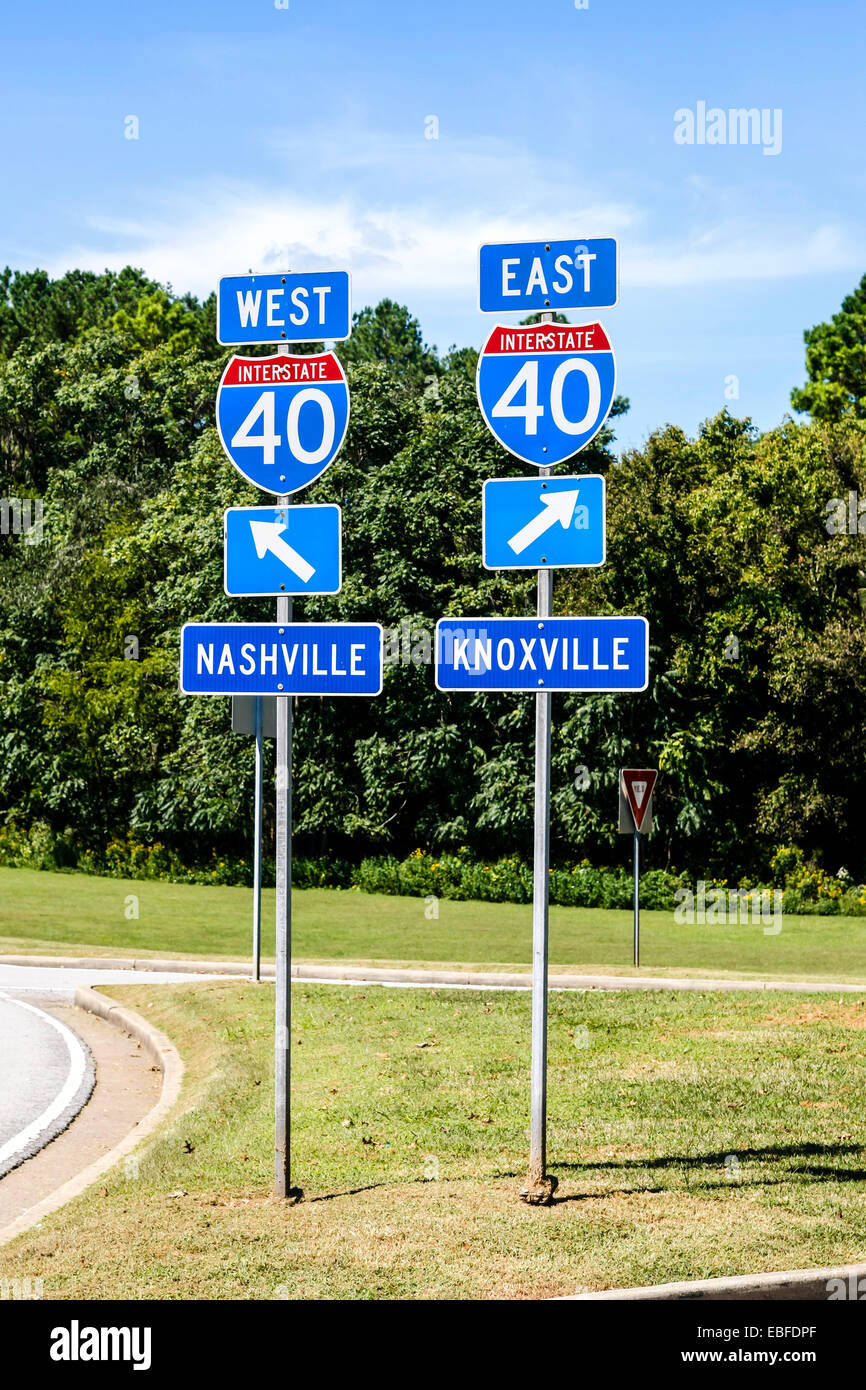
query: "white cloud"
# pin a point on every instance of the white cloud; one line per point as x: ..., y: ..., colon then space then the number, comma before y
x: 424, y: 249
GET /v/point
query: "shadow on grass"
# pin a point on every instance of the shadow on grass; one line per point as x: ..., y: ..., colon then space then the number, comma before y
x: 349, y: 1192
x: 708, y: 1160
x: 773, y: 1154
x: 794, y: 1171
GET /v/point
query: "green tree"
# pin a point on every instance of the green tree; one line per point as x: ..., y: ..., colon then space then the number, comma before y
x: 836, y: 364
x: 388, y: 333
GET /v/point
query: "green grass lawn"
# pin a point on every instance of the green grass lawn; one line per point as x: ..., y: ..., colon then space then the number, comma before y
x: 693, y: 1136
x: 78, y: 914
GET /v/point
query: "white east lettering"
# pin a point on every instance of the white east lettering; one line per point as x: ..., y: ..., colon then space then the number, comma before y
x: 508, y: 275
x: 561, y: 265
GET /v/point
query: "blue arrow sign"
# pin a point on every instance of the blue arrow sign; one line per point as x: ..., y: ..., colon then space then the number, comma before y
x: 530, y: 524
x: 282, y: 419
x: 545, y: 389
x: 297, y: 307
x: 281, y: 659
x: 283, y: 550
x: 546, y: 276
x: 586, y: 654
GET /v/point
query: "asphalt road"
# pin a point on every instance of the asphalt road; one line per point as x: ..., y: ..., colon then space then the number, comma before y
x: 46, y: 1075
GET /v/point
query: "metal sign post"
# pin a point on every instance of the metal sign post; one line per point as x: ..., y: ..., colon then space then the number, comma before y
x: 636, y: 816
x: 301, y: 403
x: 540, y: 1186
x: 257, y: 845
x: 283, y: 971
x: 283, y: 1005
x: 544, y: 390
x: 637, y: 897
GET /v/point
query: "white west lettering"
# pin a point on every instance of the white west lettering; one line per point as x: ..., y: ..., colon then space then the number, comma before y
x: 321, y: 291
x: 304, y: 309
x: 273, y: 307
x: 248, y: 307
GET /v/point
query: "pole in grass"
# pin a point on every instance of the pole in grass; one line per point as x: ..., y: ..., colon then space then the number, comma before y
x: 636, y: 818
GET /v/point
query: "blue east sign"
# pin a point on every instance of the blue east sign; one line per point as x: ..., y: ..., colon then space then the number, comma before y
x: 546, y: 276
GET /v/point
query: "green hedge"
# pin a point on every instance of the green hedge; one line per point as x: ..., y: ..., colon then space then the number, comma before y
x: 422, y: 874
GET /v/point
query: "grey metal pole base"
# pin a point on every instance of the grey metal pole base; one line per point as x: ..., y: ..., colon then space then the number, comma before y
x: 539, y: 1193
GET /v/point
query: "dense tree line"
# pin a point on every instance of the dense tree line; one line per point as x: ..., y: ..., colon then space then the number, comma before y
x: 755, y: 711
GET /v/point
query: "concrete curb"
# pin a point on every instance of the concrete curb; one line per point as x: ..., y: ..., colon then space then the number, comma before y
x: 164, y: 1055
x: 466, y: 979
x: 800, y: 1284
x: 61, y: 1122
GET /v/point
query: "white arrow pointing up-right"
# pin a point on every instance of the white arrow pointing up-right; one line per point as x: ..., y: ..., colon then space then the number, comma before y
x: 268, y: 535
x: 558, y: 506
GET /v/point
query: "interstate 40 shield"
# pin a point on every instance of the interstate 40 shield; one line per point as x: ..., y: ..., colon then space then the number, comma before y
x: 545, y: 390
x: 282, y: 419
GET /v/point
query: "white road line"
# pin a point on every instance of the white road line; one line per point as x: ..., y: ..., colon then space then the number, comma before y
x: 75, y: 1076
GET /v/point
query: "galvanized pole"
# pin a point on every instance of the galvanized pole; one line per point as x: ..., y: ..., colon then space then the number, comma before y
x: 540, y: 1187
x: 283, y: 1003
x: 283, y: 1014
x: 540, y: 878
x: 257, y: 845
x: 636, y: 897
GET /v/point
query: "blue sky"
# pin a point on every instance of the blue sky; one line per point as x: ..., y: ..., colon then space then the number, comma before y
x: 272, y: 137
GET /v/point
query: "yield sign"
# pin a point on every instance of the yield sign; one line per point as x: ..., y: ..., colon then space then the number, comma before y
x: 638, y: 783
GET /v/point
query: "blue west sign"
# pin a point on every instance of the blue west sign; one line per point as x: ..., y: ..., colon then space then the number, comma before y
x: 282, y: 419
x: 296, y: 307
x: 532, y: 654
x: 545, y: 276
x: 545, y: 389
x: 281, y: 659
x: 270, y: 551
x: 543, y: 523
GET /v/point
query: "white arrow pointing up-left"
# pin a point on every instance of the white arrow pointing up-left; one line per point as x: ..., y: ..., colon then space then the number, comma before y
x: 558, y: 506
x: 268, y: 536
